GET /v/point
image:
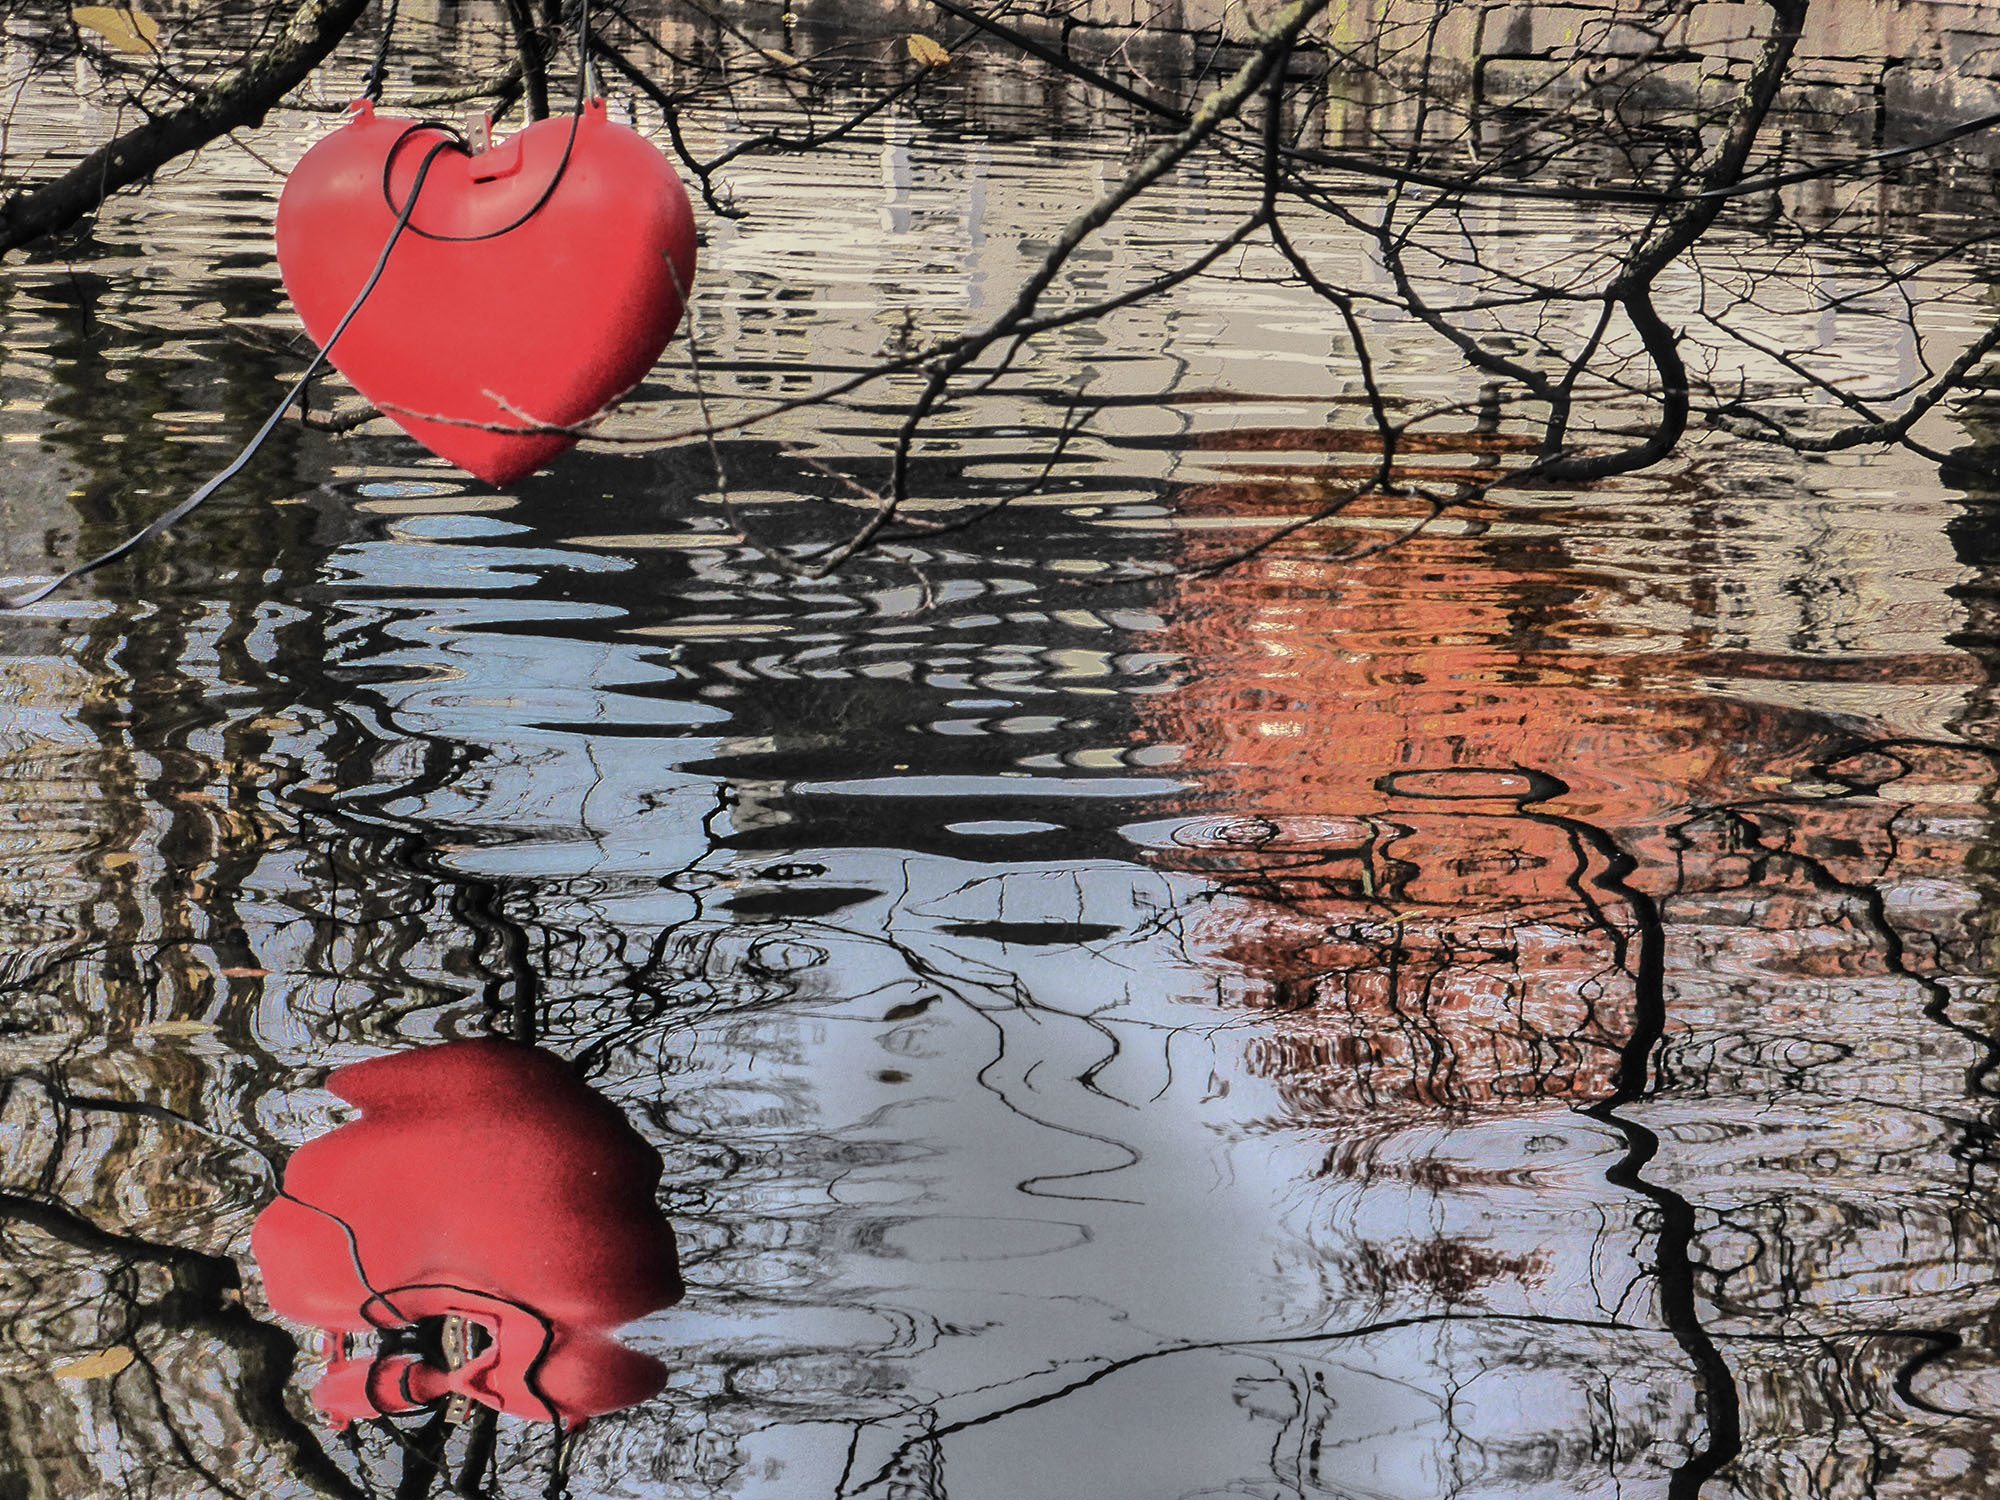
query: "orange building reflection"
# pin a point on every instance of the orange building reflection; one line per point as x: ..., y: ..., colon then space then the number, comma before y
x: 1455, y: 774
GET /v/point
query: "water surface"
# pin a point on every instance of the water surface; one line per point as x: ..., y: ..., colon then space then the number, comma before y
x: 1505, y: 1013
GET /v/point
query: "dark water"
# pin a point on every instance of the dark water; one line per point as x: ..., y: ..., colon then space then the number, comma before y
x: 1503, y: 1014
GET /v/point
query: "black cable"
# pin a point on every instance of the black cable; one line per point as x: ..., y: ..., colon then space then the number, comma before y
x: 371, y: 86
x: 193, y: 502
x: 555, y: 181
x: 583, y: 97
x: 586, y: 81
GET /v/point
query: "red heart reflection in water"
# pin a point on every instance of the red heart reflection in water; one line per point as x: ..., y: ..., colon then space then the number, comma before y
x: 486, y: 1193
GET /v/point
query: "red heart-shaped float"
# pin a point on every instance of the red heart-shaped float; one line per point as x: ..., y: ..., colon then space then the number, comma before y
x: 535, y: 284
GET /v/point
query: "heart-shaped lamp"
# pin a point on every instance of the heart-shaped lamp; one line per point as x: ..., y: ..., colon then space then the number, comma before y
x: 535, y: 284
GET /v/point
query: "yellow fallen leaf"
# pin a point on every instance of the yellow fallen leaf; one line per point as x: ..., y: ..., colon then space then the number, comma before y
x: 178, y: 1028
x: 99, y: 1366
x: 246, y: 972
x: 125, y: 28
x: 783, y: 59
x: 119, y: 860
x: 927, y: 52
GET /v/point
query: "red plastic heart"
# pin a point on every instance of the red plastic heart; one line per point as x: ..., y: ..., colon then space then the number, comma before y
x: 535, y: 284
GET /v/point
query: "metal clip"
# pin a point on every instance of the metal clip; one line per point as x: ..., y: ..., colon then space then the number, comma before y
x: 456, y: 1335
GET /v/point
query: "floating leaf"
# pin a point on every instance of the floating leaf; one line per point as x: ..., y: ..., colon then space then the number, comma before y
x: 927, y: 52
x: 99, y: 1366
x: 124, y: 28
x: 783, y: 59
x: 178, y: 1028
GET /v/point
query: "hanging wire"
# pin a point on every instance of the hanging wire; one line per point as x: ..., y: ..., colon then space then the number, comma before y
x: 587, y: 85
x: 371, y: 86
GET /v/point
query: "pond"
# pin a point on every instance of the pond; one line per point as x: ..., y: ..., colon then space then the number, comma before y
x: 1494, y: 1006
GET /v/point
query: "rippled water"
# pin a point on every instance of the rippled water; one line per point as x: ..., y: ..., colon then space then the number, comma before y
x: 1506, y: 1013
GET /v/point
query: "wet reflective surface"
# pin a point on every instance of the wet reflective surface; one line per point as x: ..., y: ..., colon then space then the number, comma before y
x: 1502, y: 1013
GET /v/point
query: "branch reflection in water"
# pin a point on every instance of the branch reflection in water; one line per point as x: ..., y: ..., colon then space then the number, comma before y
x: 1486, y: 853
x: 1507, y: 1016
